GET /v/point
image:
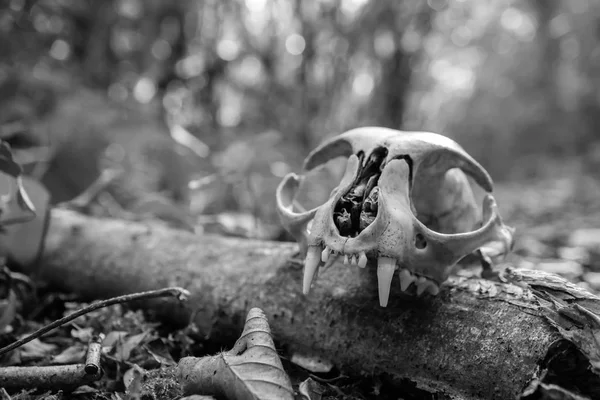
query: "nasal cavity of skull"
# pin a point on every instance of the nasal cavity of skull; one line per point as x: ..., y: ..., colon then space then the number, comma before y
x: 358, y: 208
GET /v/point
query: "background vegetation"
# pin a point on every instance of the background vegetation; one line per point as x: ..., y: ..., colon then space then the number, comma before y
x: 260, y: 83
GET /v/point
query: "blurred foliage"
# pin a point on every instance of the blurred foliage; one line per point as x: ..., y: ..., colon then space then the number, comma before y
x: 260, y: 83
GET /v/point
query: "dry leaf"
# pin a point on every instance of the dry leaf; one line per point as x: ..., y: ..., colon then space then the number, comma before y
x: 71, y: 355
x: 311, y: 390
x: 83, y: 334
x: 123, y: 352
x: 15, y: 205
x: 24, y: 241
x: 159, y: 351
x: 133, y: 379
x: 113, y: 338
x: 36, y: 349
x: 85, y: 389
x: 251, y: 370
x: 312, y: 363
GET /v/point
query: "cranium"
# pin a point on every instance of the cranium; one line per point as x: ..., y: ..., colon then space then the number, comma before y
x: 404, y: 202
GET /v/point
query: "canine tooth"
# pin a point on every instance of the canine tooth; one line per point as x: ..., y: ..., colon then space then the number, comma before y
x: 385, y: 274
x: 433, y: 288
x: 346, y: 261
x: 406, y: 278
x: 311, y: 264
x: 362, y: 260
x: 325, y: 254
x: 354, y: 259
x: 422, y: 284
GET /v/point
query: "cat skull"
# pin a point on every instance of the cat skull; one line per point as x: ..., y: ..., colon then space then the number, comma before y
x: 404, y: 202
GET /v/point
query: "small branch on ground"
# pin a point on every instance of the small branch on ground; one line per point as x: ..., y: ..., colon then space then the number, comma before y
x: 56, y: 377
x: 46, y: 377
x: 179, y: 293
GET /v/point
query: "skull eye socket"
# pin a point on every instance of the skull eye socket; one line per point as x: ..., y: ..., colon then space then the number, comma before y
x: 420, y: 242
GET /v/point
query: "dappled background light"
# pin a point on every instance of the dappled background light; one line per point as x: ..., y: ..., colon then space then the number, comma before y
x: 257, y: 84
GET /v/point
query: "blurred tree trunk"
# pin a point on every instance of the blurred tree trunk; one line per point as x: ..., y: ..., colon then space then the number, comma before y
x: 94, y: 28
x: 588, y: 69
x: 397, y: 67
x: 395, y: 82
x: 214, y: 69
x: 307, y: 93
x: 544, y: 83
x: 545, y: 11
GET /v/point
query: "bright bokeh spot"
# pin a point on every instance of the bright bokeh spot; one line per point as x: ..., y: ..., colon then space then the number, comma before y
x: 144, y: 90
x: 228, y: 49
x: 511, y: 19
x: 229, y: 115
x: 130, y: 8
x: 251, y: 69
x: 279, y: 168
x: 363, y: 84
x: 295, y: 44
x: 454, y: 77
x: 385, y: 44
x: 519, y: 23
x: 352, y: 7
x: 190, y: 66
x: 60, y: 50
x: 256, y: 5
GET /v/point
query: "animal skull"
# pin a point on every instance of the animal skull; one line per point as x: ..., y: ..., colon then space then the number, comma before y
x: 403, y: 201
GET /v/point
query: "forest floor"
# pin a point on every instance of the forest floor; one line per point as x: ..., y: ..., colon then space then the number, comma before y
x: 558, y: 225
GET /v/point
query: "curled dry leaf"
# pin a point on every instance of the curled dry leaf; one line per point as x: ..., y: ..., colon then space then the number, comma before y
x: 312, y: 363
x: 251, y: 370
x: 22, y: 242
x: 311, y: 390
x: 15, y: 205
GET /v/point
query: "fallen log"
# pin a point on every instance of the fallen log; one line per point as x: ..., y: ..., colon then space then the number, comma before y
x: 476, y: 340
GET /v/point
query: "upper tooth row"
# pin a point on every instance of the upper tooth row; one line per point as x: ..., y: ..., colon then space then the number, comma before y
x: 386, y: 267
x: 359, y: 259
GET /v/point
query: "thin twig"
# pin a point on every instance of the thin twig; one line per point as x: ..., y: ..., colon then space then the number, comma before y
x: 92, y: 358
x: 178, y: 292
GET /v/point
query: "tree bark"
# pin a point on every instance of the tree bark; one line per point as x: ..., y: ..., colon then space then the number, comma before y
x: 477, y: 339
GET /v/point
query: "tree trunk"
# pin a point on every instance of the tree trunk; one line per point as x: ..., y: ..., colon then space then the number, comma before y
x: 477, y: 339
